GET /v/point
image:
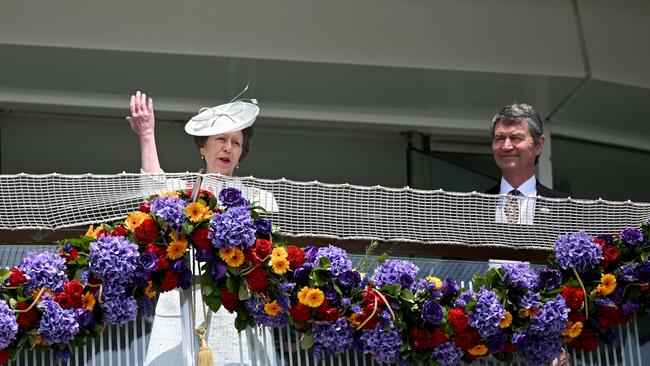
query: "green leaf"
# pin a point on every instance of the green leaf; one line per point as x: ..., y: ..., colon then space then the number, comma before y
x: 187, y: 228
x: 213, y: 302
x: 407, y: 295
x: 392, y: 290
x: 231, y: 285
x: 206, y: 288
x: 241, y: 321
x: 306, y: 341
x: 4, y: 274
x: 382, y: 258
x: 243, y: 294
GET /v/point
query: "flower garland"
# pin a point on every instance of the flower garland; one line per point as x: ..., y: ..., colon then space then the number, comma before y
x: 114, y: 272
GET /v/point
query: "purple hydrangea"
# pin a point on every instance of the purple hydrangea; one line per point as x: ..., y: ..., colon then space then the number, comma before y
x: 447, y: 354
x: 145, y: 306
x: 231, y: 197
x: 465, y: 298
x: 631, y: 236
x: 496, y: 342
x: 629, y: 272
x: 332, y: 337
x: 310, y: 253
x: 170, y: 209
x: 449, y: 288
x: 255, y: 306
x: 85, y: 318
x: 396, y: 271
x: 383, y: 344
x: 629, y: 308
x: 8, y: 325
x: 537, y: 349
x: 431, y: 312
x: 44, y: 269
x: 549, y: 279
x: 339, y: 261
x: 577, y: 250
x: 119, y: 308
x: 604, y: 301
x: 57, y: 325
x: 488, y: 313
x: 530, y: 300
x: 520, y: 275
x: 263, y: 227
x: 114, y: 259
x: 233, y: 228
x: 62, y: 355
x: 551, y: 319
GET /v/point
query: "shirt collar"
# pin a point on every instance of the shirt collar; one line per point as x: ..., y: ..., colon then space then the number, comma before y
x: 528, y: 188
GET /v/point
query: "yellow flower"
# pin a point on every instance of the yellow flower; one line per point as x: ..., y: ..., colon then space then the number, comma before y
x: 149, y: 291
x: 92, y: 232
x: 607, y: 284
x: 88, y: 301
x: 279, y: 265
x: 279, y: 252
x: 644, y: 286
x: 573, y: 329
x: 435, y: 280
x: 177, y: 248
x: 529, y: 312
x: 197, y: 211
x: 135, y: 219
x: 356, y: 319
x: 314, y: 298
x: 38, y: 340
x: 234, y: 257
x: 272, y: 308
x: 169, y: 194
x: 479, y: 350
x: 507, y: 320
x: 302, y: 294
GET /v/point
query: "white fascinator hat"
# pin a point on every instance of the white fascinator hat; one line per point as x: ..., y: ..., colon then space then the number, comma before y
x: 229, y: 117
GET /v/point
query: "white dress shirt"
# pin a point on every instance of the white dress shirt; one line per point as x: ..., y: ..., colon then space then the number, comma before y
x: 526, y: 201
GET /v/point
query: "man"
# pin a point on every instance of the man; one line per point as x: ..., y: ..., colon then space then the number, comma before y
x: 517, y: 141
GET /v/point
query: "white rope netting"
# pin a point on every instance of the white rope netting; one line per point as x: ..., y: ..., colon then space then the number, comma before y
x: 341, y: 211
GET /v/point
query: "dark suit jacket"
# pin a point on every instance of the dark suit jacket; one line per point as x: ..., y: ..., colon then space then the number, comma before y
x: 542, y: 190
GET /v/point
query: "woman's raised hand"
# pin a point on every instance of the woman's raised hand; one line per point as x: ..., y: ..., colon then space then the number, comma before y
x: 142, y: 120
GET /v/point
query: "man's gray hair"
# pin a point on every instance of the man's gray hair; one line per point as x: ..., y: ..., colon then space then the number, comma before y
x: 520, y: 112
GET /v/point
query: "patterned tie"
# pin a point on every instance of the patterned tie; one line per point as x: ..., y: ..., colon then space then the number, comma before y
x: 512, y: 207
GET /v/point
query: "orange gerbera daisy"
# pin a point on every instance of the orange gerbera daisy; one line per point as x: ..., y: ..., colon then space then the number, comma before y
x: 272, y: 308
x: 435, y: 280
x: 314, y: 298
x: 302, y: 294
x: 279, y: 265
x: 177, y: 248
x: 507, y: 320
x: 197, y: 211
x: 88, y: 301
x: 234, y: 257
x: 279, y: 252
x: 135, y: 219
x: 573, y: 329
x: 93, y: 232
x: 149, y: 291
x: 479, y: 350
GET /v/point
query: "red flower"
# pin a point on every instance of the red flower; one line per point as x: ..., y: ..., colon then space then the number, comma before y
x: 162, y: 264
x: 295, y: 256
x: 257, y: 280
x: 250, y: 256
x: 328, y: 314
x: 509, y: 347
x: 229, y: 299
x: 613, y: 315
x: 370, y: 296
x: 4, y: 356
x: 439, y: 337
x: 101, y: 233
x: 300, y: 312
x: 16, y: 277
x: 458, y: 319
x: 73, y: 288
x: 577, y: 316
x: 420, y: 342
x: 170, y: 281
x: 119, y: 231
x: 263, y: 248
x: 574, y: 296
x: 200, y: 238
x: 367, y: 312
x: 466, y: 339
x: 144, y: 207
x: 64, y: 300
x: 611, y: 253
x: 160, y: 251
x: 586, y: 340
x: 26, y: 320
x: 600, y: 242
x: 147, y: 232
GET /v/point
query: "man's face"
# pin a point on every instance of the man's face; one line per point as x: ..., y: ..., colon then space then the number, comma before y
x: 513, y: 148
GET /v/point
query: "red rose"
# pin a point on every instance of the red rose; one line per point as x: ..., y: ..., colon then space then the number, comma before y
x: 170, y: 281
x: 328, y: 314
x: 439, y: 337
x: 16, y: 277
x: 420, y: 342
x: 367, y: 312
x: 600, y: 242
x: 300, y: 312
x: 64, y: 300
x: 4, y: 356
x: 295, y: 256
x: 509, y: 347
x: 465, y: 339
x: 263, y: 248
x: 144, y: 207
x: 606, y: 322
x: 458, y: 319
x: 162, y: 264
x: 370, y: 296
x: 257, y: 280
x: 612, y: 313
x: 119, y: 231
x: 229, y: 299
x: 250, y: 256
x: 577, y: 316
x: 611, y: 253
x: 26, y: 320
x: 159, y: 250
x: 574, y: 296
x: 586, y: 340
x: 101, y: 233
x: 147, y: 232
x: 200, y: 238
x: 73, y: 288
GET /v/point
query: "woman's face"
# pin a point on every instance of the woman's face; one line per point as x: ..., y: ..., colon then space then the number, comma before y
x: 222, y: 152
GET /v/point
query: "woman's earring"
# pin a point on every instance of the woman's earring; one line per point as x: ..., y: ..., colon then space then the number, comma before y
x: 237, y: 167
x: 202, y: 157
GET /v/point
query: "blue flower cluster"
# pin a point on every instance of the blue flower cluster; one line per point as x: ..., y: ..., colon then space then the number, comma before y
x: 447, y: 354
x: 383, y: 344
x: 8, y: 325
x: 520, y: 275
x: 577, y: 250
x: 339, y: 261
x: 530, y: 300
x: 396, y: 271
x: 119, y: 308
x: 488, y: 313
x: 114, y: 259
x: 57, y: 325
x: 332, y: 337
x: 537, y: 349
x: 631, y: 236
x: 551, y: 319
x: 255, y: 306
x: 170, y: 209
x: 235, y: 227
x: 231, y: 197
x: 44, y: 270
x: 549, y: 279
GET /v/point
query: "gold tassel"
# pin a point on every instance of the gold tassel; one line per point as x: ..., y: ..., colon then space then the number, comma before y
x: 205, y: 353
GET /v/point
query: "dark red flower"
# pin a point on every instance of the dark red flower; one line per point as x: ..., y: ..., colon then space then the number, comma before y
x: 370, y: 296
x: 251, y: 257
x: 438, y: 337
x: 144, y: 207
x: 162, y: 264
x: 611, y: 253
x: 295, y: 256
x: 577, y: 316
x: 26, y: 320
x: 257, y: 280
x: 263, y: 248
x: 458, y: 319
x: 159, y: 250
x: 586, y: 340
x: 73, y: 288
x: 509, y: 347
x: 147, y: 232
x: 229, y: 299
x: 64, y: 300
x: 119, y: 231
x: 200, y: 238
x: 170, y: 281
x: 101, y: 233
x: 4, y: 356
x: 466, y: 339
x: 16, y: 277
x: 574, y: 296
x: 328, y: 314
x: 300, y: 312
